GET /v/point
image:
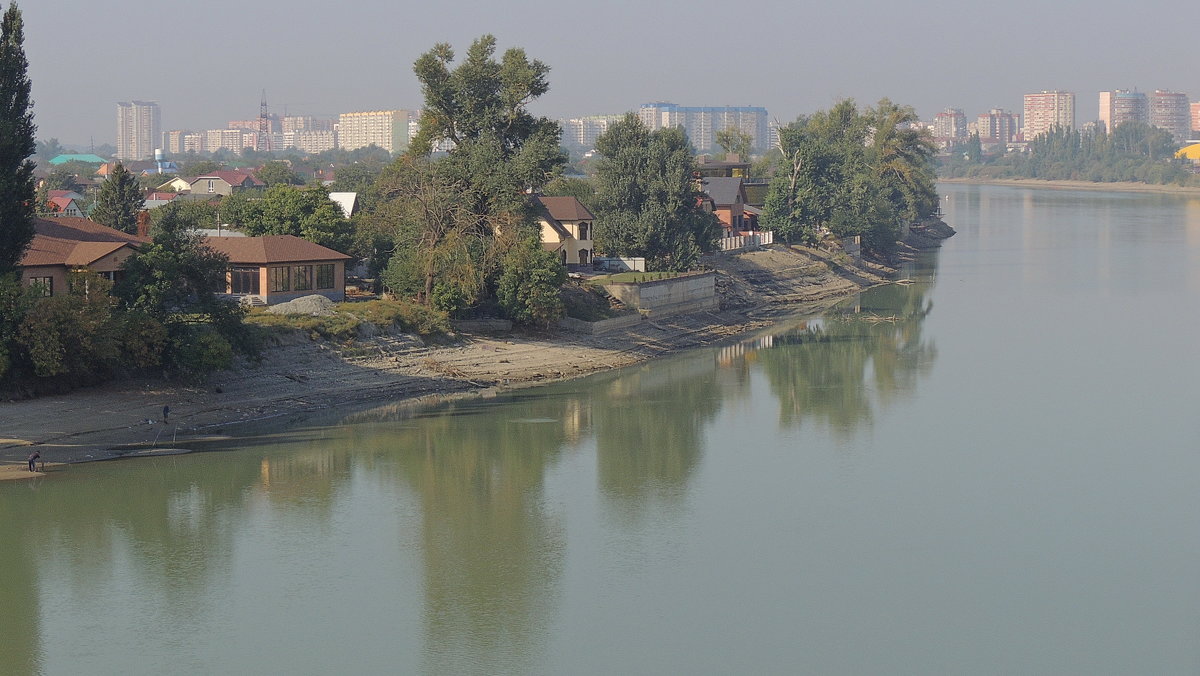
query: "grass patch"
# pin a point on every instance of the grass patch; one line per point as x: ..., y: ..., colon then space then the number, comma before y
x: 344, y: 324
x: 635, y: 277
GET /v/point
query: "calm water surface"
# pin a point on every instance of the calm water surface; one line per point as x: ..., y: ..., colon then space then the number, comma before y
x: 994, y: 470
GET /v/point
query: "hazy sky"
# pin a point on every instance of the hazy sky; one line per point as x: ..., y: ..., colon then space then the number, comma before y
x: 208, y: 63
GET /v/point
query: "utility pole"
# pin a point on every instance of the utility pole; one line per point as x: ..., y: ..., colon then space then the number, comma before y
x: 264, y: 126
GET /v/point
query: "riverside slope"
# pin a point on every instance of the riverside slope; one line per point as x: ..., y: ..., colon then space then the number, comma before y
x: 301, y: 376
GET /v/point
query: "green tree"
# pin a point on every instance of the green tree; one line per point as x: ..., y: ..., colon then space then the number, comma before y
x: 200, y: 167
x: 736, y: 141
x: 647, y: 202
x: 277, y: 172
x: 581, y: 189
x: 303, y: 212
x: 500, y: 150
x: 174, y: 281
x: 48, y: 150
x: 529, y: 286
x: 16, y: 143
x: 191, y: 214
x: 72, y: 334
x: 119, y: 200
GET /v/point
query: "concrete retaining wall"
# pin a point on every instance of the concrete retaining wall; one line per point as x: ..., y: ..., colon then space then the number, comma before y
x: 602, y: 326
x: 689, y: 293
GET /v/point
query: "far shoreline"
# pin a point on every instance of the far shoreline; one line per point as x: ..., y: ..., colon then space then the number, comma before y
x: 1121, y: 186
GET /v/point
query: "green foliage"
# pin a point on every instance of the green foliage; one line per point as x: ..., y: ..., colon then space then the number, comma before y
x: 14, y: 303
x: 143, y: 340
x: 288, y: 210
x: 278, y: 172
x: 200, y: 167
x: 581, y: 189
x: 197, y: 350
x: 60, y: 179
x: 851, y: 173
x: 736, y: 141
x: 647, y: 203
x: 189, y: 214
x: 48, y: 150
x: 500, y: 149
x: 529, y: 286
x: 451, y: 298
x: 407, y: 316
x: 1134, y: 151
x: 73, y: 333
x: 16, y: 143
x: 119, y: 201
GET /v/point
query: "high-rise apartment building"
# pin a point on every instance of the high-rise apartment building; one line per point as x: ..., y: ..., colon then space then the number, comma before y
x: 137, y: 130
x: 387, y: 129
x: 1122, y: 105
x: 1171, y: 111
x: 1195, y: 120
x: 584, y: 131
x: 310, y: 140
x: 224, y: 139
x: 950, y: 126
x: 1046, y: 110
x: 703, y: 123
x: 1001, y: 126
x: 173, y: 141
x: 306, y: 123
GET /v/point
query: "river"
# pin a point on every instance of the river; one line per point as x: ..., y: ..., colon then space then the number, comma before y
x: 992, y: 470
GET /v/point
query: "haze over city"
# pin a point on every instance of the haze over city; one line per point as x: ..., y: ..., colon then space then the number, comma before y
x: 204, y: 68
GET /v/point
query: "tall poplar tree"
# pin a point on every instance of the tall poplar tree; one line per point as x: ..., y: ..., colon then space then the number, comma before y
x: 119, y: 201
x: 16, y: 143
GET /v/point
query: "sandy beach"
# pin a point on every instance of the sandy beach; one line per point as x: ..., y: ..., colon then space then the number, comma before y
x: 301, y: 376
x: 1078, y: 185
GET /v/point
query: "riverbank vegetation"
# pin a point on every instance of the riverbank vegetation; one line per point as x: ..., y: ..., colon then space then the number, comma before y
x: 851, y: 172
x: 1133, y: 152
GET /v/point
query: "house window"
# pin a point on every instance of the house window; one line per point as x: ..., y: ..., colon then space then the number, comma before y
x: 303, y: 277
x: 325, y: 276
x: 279, y: 279
x: 583, y: 231
x: 583, y: 256
x: 243, y: 280
x: 210, y: 186
x: 46, y: 284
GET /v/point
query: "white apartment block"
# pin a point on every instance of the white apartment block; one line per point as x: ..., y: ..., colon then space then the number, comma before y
x: 387, y: 129
x: 1046, y: 110
x: 306, y: 123
x: 311, y: 141
x: 584, y: 131
x: 137, y: 130
x: 224, y: 139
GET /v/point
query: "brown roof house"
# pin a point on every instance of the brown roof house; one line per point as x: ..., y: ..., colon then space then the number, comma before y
x: 225, y: 183
x: 278, y: 268
x: 567, y: 230
x: 63, y: 245
x: 729, y: 204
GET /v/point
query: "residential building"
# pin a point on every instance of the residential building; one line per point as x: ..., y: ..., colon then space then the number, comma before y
x: 387, y: 129
x: 193, y: 143
x: 310, y: 140
x: 173, y: 141
x: 703, y: 123
x: 1171, y: 111
x: 137, y: 130
x: 64, y: 245
x: 950, y: 126
x: 306, y: 123
x: 1122, y: 105
x: 999, y: 126
x: 1046, y: 110
x: 64, y: 206
x: 1195, y: 120
x: 224, y: 183
x: 567, y: 230
x: 278, y: 268
x: 224, y: 139
x: 584, y: 131
x: 728, y: 196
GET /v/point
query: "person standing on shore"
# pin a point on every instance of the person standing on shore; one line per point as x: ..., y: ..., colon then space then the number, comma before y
x: 166, y: 412
x: 33, y: 457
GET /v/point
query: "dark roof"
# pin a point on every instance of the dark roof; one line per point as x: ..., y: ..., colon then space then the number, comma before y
x: 722, y: 190
x: 272, y: 249
x: 73, y: 241
x: 231, y: 177
x: 566, y: 209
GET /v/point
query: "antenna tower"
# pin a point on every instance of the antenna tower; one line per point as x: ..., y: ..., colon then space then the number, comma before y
x: 264, y: 126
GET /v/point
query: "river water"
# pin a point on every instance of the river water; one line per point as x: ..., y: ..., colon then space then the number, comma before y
x: 992, y: 470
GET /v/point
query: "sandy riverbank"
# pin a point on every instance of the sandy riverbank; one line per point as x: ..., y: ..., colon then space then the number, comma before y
x: 301, y: 376
x: 1078, y: 185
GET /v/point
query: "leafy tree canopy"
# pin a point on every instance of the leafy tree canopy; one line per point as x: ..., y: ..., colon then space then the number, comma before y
x: 290, y: 210
x: 16, y: 143
x: 119, y: 200
x: 277, y: 172
x: 647, y: 201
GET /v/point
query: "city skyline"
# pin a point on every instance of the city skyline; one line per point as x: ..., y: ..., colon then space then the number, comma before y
x: 802, y: 59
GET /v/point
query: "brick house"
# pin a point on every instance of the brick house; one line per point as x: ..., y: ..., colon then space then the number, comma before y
x: 278, y: 268
x: 63, y: 245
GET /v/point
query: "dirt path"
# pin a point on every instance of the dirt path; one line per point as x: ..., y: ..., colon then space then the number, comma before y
x: 302, y: 376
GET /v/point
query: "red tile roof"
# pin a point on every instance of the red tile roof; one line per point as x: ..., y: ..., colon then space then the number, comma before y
x: 73, y: 242
x: 272, y: 249
x: 566, y: 209
x: 232, y: 177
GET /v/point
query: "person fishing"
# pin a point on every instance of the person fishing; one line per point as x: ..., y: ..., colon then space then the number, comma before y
x: 33, y: 458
